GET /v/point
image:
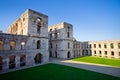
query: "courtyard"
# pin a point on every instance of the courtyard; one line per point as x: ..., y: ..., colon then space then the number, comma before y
x: 53, y: 71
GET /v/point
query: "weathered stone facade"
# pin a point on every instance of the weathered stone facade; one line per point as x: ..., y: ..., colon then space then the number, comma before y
x: 77, y: 48
x: 31, y: 42
x: 109, y: 49
x: 27, y: 42
x: 61, y: 40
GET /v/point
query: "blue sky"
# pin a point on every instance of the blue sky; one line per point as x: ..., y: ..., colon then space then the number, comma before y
x: 92, y: 19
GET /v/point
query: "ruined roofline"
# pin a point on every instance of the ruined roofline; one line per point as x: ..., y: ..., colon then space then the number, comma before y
x: 101, y: 41
x: 30, y: 10
x: 59, y: 24
x: 26, y: 11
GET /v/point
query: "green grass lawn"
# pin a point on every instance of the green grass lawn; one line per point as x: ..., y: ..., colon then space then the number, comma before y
x: 55, y: 72
x: 99, y: 60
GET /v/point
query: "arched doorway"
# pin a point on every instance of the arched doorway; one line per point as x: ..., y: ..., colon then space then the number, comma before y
x: 50, y: 54
x: 82, y: 52
x: 86, y: 52
x: 38, y: 58
x: 55, y: 54
x: 1, y: 62
x: 11, y: 62
x: 68, y: 55
x: 22, y: 60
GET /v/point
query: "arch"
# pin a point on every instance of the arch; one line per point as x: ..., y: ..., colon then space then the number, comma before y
x: 112, y: 45
x: 22, y: 60
x: 38, y: 58
x: 68, y: 28
x: 38, y: 27
x: 56, y: 54
x: 68, y: 54
x: 86, y: 52
x: 50, y: 54
x: 1, y: 45
x: 68, y: 34
x: 12, y: 45
x: 22, y: 44
x: 12, y: 62
x: 39, y: 20
x: 1, y: 62
x: 38, y: 44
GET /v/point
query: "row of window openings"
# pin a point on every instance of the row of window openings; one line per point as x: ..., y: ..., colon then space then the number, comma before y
x: 105, y: 46
x: 51, y: 46
x: 12, y: 63
x: 76, y: 45
x: 13, y: 45
x: 112, y: 53
x: 55, y: 35
x: 68, y: 29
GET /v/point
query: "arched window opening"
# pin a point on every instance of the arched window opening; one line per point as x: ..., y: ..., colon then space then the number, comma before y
x: 112, y: 45
x: 12, y: 45
x: 50, y: 30
x: 56, y: 54
x: 22, y: 60
x: 1, y: 45
x: 38, y: 58
x: 38, y: 27
x: 112, y: 53
x: 50, y: 54
x: 68, y: 54
x: 68, y: 28
x: 86, y: 52
x: 68, y: 34
x: 94, y: 52
x: 11, y: 62
x: 39, y: 20
x: 23, y: 45
x: 105, y: 46
x: 38, y: 44
x: 1, y: 62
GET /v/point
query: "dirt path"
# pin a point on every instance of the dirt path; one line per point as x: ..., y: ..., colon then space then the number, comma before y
x: 114, y: 71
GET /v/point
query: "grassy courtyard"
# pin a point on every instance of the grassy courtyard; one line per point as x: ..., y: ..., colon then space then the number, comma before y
x: 99, y: 60
x: 55, y: 72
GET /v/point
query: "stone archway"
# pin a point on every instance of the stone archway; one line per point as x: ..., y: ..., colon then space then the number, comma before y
x: 11, y: 62
x: 38, y: 58
x: 86, y: 52
x: 1, y: 62
x: 22, y: 60
x: 68, y: 54
x: 56, y: 54
x: 50, y: 55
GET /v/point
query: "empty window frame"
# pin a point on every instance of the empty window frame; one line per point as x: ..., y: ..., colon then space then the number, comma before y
x: 38, y: 44
x: 1, y: 45
x: 12, y: 45
x: 112, y: 45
